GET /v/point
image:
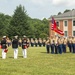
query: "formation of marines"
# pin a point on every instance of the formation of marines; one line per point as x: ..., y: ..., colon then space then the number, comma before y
x: 55, y: 45
x: 37, y: 42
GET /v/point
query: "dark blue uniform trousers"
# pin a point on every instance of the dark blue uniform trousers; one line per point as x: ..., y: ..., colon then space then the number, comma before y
x: 52, y: 48
x: 70, y: 47
x: 60, y: 49
x: 48, y: 48
x: 73, y: 47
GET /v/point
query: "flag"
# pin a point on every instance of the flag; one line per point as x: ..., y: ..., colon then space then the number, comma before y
x: 55, y: 28
x: 59, y: 31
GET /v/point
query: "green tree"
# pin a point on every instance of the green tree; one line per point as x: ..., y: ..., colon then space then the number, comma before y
x: 18, y: 24
x: 37, y: 27
x: 66, y: 10
x: 4, y: 23
x: 59, y: 13
x: 43, y: 35
x: 46, y: 26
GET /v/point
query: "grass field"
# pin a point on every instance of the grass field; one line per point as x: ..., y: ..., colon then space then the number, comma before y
x: 38, y: 62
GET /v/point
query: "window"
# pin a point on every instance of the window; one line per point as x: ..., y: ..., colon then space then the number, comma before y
x: 65, y: 33
x: 65, y: 23
x: 73, y: 33
x: 74, y: 23
x: 57, y: 24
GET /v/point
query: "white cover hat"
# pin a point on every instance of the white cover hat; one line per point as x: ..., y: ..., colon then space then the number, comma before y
x: 24, y: 36
x: 4, y: 36
x: 15, y: 36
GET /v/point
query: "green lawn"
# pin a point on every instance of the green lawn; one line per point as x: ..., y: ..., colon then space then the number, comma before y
x: 38, y: 62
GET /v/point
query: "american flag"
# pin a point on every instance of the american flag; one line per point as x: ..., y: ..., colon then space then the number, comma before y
x: 55, y: 28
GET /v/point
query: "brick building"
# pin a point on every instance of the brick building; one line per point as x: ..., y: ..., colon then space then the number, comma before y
x: 66, y: 22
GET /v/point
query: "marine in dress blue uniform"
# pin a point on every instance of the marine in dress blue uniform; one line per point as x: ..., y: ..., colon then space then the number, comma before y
x: 15, y: 46
x: 25, y: 45
x: 3, y: 46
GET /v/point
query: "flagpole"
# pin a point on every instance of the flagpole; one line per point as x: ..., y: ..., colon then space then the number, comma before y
x: 72, y: 23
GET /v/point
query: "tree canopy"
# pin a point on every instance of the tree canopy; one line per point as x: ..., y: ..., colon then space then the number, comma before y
x: 21, y: 24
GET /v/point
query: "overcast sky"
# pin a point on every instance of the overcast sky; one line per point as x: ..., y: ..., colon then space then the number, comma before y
x: 37, y: 8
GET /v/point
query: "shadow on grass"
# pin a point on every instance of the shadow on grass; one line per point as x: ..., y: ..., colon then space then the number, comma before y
x: 67, y: 52
x: 11, y: 57
x: 56, y: 53
x: 20, y: 56
x: 44, y: 52
x: 17, y: 58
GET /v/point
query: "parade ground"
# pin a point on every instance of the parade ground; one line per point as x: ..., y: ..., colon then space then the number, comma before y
x: 38, y: 62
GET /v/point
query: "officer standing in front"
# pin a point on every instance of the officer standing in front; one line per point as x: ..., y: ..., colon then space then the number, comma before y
x: 3, y: 46
x: 25, y: 45
x: 15, y: 46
